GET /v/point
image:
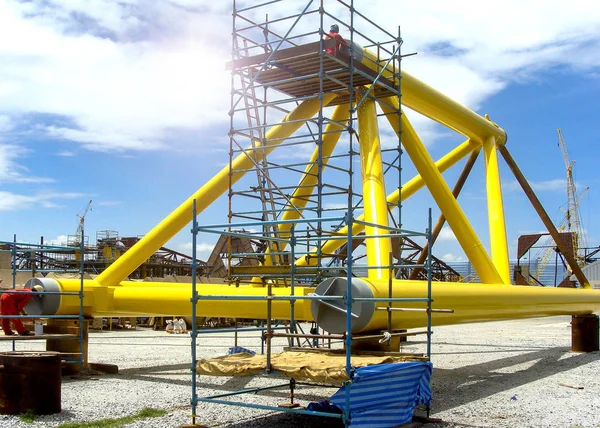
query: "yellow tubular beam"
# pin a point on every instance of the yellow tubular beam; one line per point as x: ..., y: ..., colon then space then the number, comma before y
x: 206, y: 195
x: 437, y: 106
x: 442, y: 195
x: 371, y: 164
x: 471, y: 303
x: 480, y: 302
x: 172, y: 298
x: 410, y: 188
x: 309, y: 179
x: 497, y: 225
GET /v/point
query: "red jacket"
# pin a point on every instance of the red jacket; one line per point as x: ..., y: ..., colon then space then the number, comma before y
x: 339, y: 41
x: 16, y: 298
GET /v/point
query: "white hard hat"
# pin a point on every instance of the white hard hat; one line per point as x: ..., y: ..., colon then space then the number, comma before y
x: 37, y: 288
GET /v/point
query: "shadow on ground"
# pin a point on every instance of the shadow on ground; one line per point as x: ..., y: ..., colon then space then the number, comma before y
x: 455, y: 387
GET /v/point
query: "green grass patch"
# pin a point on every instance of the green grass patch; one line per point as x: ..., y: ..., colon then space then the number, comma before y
x: 145, y: 413
x: 28, y: 417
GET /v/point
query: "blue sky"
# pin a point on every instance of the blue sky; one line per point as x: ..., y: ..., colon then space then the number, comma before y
x: 125, y: 103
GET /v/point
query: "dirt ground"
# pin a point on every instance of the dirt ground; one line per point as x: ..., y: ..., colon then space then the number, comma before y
x: 503, y: 374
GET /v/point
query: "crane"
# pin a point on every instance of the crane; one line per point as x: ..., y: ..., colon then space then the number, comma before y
x: 572, y: 220
x: 81, y: 216
x: 572, y: 215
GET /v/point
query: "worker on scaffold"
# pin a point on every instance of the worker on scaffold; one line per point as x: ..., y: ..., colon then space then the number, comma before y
x: 334, y: 33
x: 12, y: 302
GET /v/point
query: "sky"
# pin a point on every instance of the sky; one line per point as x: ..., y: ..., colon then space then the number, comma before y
x: 125, y: 104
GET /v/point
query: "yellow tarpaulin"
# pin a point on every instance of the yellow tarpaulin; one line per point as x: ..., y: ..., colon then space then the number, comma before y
x: 308, y: 366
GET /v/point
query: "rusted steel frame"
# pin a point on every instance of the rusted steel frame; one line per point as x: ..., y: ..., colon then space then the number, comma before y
x: 442, y: 220
x: 583, y: 282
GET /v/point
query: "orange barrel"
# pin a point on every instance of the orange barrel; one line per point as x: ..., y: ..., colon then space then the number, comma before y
x: 30, y: 381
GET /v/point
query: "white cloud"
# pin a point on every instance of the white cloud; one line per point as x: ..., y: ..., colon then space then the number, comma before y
x: 204, y: 249
x: 59, y: 240
x: 11, y: 171
x: 13, y: 202
x: 446, y: 234
x: 5, y: 122
x: 119, y: 95
x: 453, y: 258
x: 129, y: 75
x: 545, y: 185
x: 65, y: 153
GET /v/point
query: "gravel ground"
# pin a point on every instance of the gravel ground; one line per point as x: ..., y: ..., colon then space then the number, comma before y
x: 502, y: 374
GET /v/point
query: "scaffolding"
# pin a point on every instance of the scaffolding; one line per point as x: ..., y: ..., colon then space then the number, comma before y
x: 291, y: 208
x: 109, y: 246
x: 39, y: 253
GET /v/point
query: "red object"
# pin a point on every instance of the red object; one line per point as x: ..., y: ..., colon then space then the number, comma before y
x: 12, y: 303
x: 339, y: 40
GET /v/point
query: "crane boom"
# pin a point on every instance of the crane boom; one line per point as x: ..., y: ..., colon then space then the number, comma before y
x: 572, y: 220
x: 82, y: 220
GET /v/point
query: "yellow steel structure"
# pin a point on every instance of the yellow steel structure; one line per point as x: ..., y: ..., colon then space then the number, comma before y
x: 109, y: 294
x: 300, y: 197
x: 442, y: 195
x: 471, y: 302
x: 497, y: 225
x: 207, y: 194
x: 371, y: 165
x: 411, y: 187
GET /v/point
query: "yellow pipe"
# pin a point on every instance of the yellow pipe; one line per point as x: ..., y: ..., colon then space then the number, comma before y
x: 173, y: 298
x: 309, y: 179
x: 479, y: 302
x: 206, y: 195
x: 437, y: 106
x: 497, y: 225
x: 471, y: 303
x: 371, y: 164
x: 410, y: 188
x: 441, y: 193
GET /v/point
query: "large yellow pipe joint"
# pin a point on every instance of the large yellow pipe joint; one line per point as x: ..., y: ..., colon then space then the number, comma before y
x: 96, y: 298
x: 431, y: 103
x: 131, y: 298
x: 470, y: 303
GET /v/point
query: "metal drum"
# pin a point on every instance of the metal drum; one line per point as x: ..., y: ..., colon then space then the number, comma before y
x: 584, y: 333
x: 30, y: 382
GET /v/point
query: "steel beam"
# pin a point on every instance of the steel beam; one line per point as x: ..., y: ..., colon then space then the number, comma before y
x: 466, y: 236
x: 537, y: 205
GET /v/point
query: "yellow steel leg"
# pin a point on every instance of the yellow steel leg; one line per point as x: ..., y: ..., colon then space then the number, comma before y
x: 410, y: 188
x: 293, y: 209
x: 206, y: 195
x: 309, y: 180
x: 466, y: 236
x: 378, y: 249
x: 498, y: 244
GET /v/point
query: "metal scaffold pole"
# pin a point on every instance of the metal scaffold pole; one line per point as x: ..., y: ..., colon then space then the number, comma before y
x: 319, y: 87
x: 194, y: 301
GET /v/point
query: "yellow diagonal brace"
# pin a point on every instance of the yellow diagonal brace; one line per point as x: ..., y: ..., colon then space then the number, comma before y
x: 466, y: 236
x: 410, y: 188
x: 309, y: 179
x: 497, y: 225
x: 207, y: 194
x: 371, y: 164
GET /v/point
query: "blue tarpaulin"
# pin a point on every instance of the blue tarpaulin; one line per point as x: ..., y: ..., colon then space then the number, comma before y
x: 385, y: 395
